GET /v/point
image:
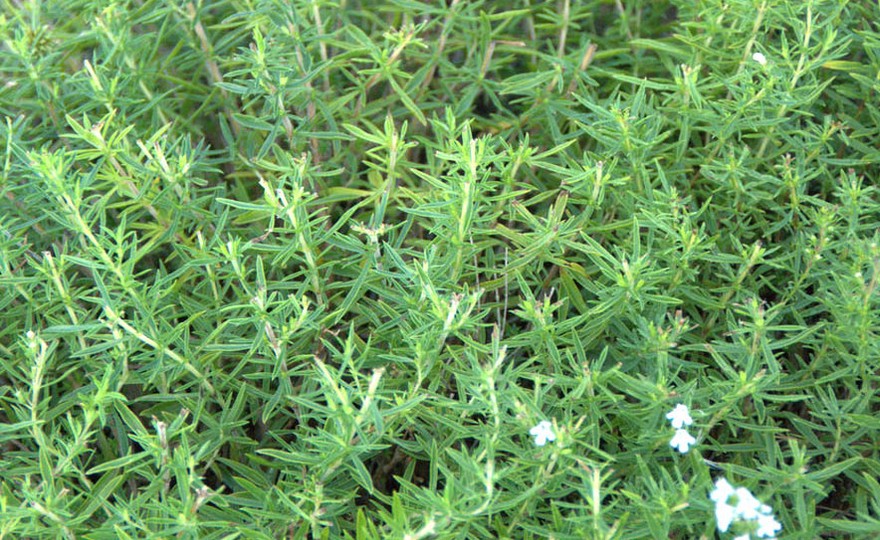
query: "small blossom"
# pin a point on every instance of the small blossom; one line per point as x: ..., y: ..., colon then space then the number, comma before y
x: 724, y: 515
x: 768, y: 526
x: 760, y: 58
x: 747, y: 506
x: 723, y: 490
x: 743, y: 537
x: 543, y: 433
x: 682, y: 441
x: 680, y: 416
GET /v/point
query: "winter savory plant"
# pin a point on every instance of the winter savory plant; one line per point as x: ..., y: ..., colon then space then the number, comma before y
x: 314, y: 269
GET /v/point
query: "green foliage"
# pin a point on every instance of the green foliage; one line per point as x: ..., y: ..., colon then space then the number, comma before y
x: 314, y: 268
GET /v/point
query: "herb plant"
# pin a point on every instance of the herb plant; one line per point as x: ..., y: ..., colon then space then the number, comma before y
x: 439, y: 269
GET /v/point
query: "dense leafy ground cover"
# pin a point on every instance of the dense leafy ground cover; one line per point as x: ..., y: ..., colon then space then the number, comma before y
x: 399, y: 269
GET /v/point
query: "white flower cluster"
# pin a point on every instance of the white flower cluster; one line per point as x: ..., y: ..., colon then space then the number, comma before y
x: 680, y: 418
x: 738, y: 504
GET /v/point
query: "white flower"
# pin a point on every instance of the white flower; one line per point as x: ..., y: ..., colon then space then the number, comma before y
x: 723, y: 490
x: 760, y: 58
x: 768, y: 526
x: 543, y: 433
x: 743, y: 537
x: 747, y: 506
x: 682, y: 440
x: 680, y: 416
x: 724, y: 515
